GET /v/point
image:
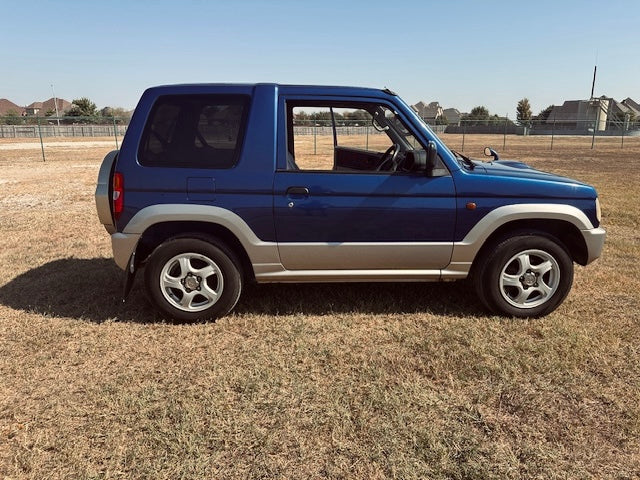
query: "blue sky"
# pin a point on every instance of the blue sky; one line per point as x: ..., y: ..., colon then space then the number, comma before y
x: 460, y: 53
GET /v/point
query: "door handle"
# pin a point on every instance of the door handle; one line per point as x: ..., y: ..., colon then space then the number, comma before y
x: 298, y: 191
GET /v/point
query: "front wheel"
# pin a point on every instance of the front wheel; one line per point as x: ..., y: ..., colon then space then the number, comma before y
x: 527, y: 275
x: 190, y: 279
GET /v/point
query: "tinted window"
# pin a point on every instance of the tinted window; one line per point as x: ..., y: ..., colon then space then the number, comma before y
x: 200, y: 131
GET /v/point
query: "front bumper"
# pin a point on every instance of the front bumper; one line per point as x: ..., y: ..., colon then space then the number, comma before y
x: 594, y: 239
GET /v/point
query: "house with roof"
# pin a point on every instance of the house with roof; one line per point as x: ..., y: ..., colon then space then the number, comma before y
x: 602, y: 113
x: 434, y: 114
x: 619, y: 113
x: 40, y: 109
x: 452, y: 115
x: 633, y: 106
x: 429, y: 112
x: 7, y: 107
x: 580, y: 114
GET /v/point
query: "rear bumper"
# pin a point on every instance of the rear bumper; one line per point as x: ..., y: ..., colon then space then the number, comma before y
x: 123, y: 245
x: 594, y: 239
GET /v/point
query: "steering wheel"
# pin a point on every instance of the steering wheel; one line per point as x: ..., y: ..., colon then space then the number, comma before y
x: 388, y: 162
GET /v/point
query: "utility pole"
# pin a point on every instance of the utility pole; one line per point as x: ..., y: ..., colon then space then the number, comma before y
x: 593, y: 84
x: 55, y: 102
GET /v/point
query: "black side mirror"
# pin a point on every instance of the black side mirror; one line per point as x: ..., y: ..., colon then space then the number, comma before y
x: 422, y: 160
x: 415, y: 160
x: 490, y: 152
x: 432, y: 157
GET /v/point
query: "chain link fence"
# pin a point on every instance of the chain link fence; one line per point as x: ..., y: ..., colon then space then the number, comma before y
x: 551, y: 128
x: 14, y: 126
x: 115, y: 127
x: 590, y: 130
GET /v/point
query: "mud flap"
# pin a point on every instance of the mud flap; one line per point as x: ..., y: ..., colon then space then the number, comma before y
x: 130, y: 274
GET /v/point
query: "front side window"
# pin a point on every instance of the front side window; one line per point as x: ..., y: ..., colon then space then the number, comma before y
x: 358, y: 138
x: 198, y: 131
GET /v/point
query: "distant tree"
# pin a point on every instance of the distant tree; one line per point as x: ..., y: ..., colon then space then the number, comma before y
x: 498, y: 120
x: 301, y: 118
x: 120, y: 114
x: 12, y: 118
x: 478, y: 116
x: 523, y: 112
x: 82, y: 107
x: 49, y: 113
x: 325, y: 117
x: 360, y: 115
x: 544, y: 114
x: 480, y: 111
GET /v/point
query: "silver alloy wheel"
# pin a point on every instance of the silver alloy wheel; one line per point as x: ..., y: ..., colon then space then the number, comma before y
x: 191, y: 282
x: 529, y: 278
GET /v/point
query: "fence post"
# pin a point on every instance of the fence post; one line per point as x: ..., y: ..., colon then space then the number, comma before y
x: 366, y: 129
x: 553, y: 129
x: 464, y: 130
x: 504, y: 137
x: 315, y: 135
x: 41, y: 143
x: 115, y: 132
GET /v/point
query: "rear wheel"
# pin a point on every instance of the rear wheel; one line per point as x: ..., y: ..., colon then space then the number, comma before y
x: 192, y: 279
x: 527, y: 275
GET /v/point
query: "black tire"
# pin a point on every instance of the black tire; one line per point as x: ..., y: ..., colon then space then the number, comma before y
x: 191, y: 279
x: 525, y: 275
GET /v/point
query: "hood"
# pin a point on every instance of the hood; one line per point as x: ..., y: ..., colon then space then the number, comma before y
x: 513, y: 168
x: 512, y: 179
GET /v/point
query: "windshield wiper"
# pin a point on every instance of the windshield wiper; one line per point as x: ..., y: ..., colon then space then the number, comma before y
x: 465, y: 159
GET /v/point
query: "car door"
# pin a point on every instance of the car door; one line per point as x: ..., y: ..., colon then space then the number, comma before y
x: 356, y: 221
x: 359, y: 220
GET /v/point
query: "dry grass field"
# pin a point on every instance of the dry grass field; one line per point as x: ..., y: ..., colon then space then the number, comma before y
x: 364, y: 381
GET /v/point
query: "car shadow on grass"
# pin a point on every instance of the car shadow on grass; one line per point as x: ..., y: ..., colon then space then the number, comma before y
x: 91, y: 289
x: 88, y: 289
x: 368, y: 298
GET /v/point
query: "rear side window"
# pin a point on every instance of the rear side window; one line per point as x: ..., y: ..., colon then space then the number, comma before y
x: 197, y: 131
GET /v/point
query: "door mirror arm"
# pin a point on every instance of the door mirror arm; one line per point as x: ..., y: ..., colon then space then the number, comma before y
x: 432, y: 158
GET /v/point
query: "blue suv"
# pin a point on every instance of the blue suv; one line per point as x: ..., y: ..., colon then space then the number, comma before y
x: 217, y: 185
